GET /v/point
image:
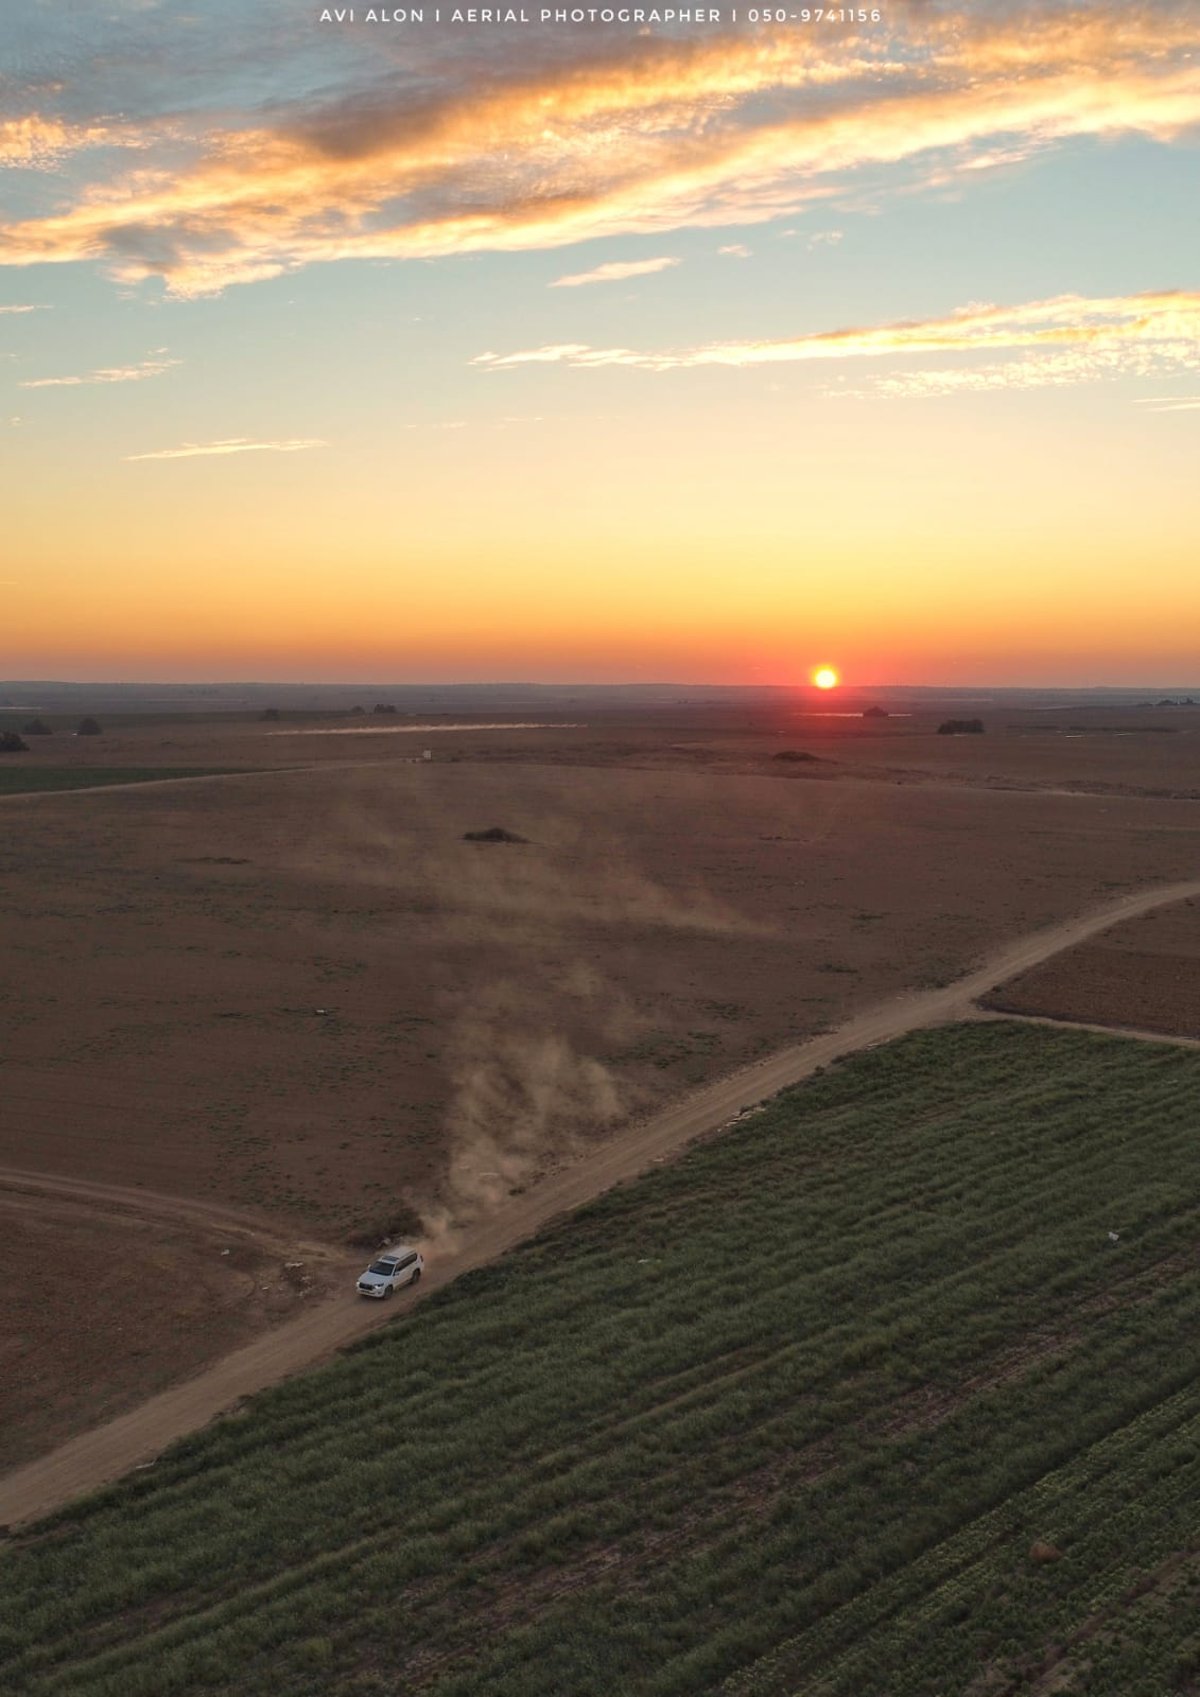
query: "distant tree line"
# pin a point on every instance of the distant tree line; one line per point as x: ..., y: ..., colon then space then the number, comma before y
x: 13, y: 742
x: 380, y: 707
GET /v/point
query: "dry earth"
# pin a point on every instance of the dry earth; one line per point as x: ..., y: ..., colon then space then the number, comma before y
x: 685, y: 903
x: 110, y: 1295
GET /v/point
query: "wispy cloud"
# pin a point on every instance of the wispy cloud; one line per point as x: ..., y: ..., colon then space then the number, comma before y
x: 231, y: 445
x: 4, y: 309
x: 616, y: 272
x: 734, y: 250
x: 572, y: 141
x: 1068, y: 339
x: 556, y: 353
x: 153, y: 366
x: 824, y: 238
x: 1180, y: 403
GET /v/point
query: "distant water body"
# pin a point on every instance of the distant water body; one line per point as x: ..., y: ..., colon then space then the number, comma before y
x: 398, y: 730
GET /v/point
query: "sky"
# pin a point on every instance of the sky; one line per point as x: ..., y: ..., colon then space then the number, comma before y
x: 631, y: 349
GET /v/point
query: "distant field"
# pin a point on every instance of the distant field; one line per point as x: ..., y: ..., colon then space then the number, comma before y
x: 787, y: 1417
x: 31, y: 780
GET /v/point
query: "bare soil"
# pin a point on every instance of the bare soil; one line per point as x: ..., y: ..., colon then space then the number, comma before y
x: 109, y: 1298
x: 1141, y: 976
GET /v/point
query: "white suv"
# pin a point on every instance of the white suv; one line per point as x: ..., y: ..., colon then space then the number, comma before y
x: 398, y: 1267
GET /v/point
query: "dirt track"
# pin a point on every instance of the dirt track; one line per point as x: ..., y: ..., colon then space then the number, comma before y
x: 1101, y: 1030
x: 134, y: 1439
x: 21, y: 1189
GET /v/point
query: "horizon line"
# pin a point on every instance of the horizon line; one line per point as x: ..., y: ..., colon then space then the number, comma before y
x: 842, y: 690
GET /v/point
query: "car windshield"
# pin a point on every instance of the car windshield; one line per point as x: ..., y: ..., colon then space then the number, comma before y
x: 386, y: 1268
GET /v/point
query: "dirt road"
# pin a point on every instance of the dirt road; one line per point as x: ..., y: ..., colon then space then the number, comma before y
x: 154, y: 783
x: 91, y: 1460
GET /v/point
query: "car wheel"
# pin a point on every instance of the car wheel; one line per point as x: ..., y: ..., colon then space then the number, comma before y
x: 389, y: 1290
x: 416, y: 1278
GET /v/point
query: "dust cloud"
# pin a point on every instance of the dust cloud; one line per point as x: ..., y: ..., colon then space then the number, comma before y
x: 524, y: 1095
x: 527, y: 1088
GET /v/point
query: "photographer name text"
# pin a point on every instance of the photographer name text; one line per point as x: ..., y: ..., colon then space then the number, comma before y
x: 508, y: 15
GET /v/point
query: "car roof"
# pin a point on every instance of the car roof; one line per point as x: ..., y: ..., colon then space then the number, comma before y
x: 395, y: 1254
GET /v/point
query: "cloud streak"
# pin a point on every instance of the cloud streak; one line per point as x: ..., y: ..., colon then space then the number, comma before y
x: 230, y: 445
x: 636, y: 136
x: 617, y: 272
x: 1068, y: 339
x: 1185, y: 403
x: 154, y: 366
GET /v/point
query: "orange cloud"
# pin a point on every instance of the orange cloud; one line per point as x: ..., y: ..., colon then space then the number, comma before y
x: 41, y: 142
x: 650, y: 135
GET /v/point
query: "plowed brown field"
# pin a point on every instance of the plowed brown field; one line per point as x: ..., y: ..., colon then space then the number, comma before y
x: 1143, y: 976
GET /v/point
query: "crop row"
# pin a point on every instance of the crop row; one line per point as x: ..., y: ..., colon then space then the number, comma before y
x: 1113, y: 1521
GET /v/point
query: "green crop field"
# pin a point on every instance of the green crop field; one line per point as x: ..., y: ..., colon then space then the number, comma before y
x: 785, y: 1418
x: 36, y: 780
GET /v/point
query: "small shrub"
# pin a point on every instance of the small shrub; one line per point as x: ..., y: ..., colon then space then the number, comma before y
x: 37, y: 728
x: 11, y: 743
x: 960, y: 727
x: 795, y: 754
x: 271, y: 713
x: 493, y: 834
x: 88, y: 728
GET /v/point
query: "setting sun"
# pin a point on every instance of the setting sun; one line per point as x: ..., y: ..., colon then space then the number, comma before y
x: 825, y: 678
